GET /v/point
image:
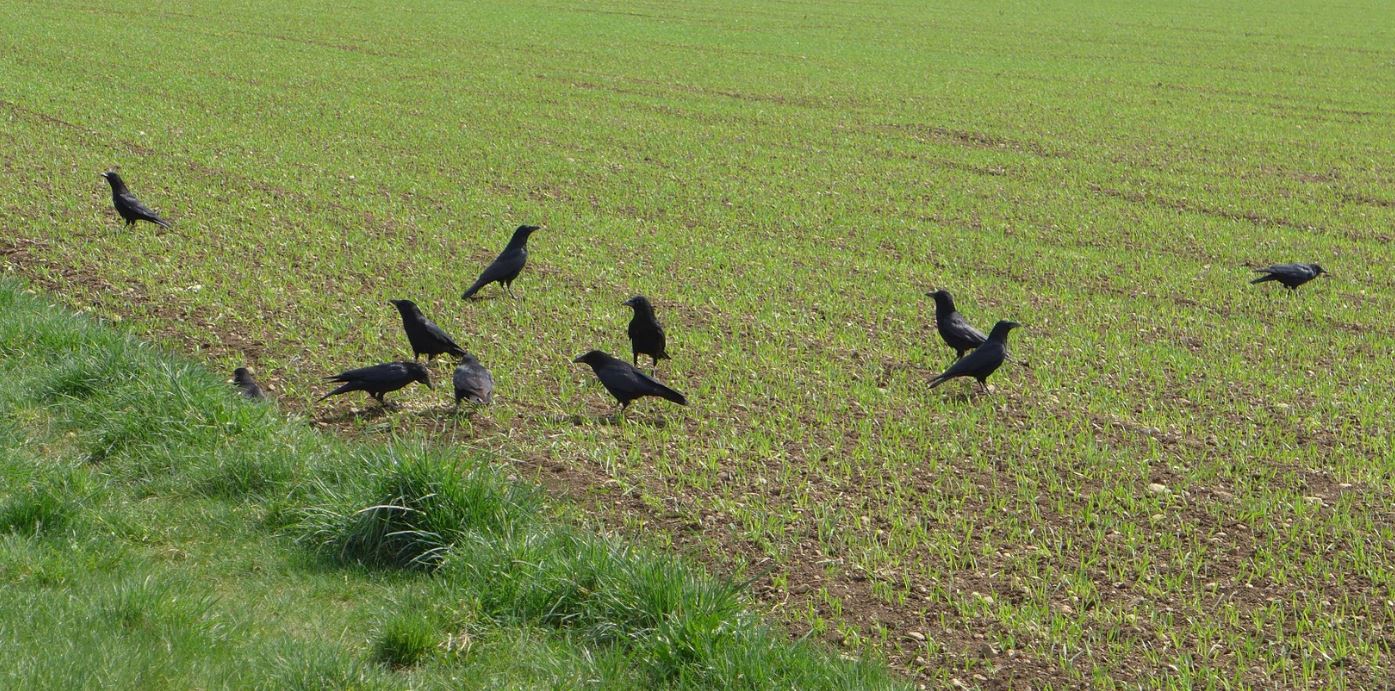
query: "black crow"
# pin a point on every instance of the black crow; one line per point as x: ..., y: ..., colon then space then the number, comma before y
x: 473, y: 382
x: 624, y: 381
x: 984, y: 360
x: 646, y: 334
x: 426, y: 338
x: 507, y: 265
x: 954, y: 328
x: 1291, y: 275
x: 380, y: 379
x: 247, y: 384
x: 128, y: 206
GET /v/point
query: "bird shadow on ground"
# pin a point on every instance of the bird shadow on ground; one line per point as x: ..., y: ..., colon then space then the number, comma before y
x: 360, y: 415
x: 610, y: 420
x: 966, y: 396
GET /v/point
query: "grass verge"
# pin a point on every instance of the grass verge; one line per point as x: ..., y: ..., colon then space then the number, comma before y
x: 157, y: 531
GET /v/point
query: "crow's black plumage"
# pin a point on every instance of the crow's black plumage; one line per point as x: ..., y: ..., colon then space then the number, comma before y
x: 380, y: 379
x: 247, y: 384
x: 1291, y: 275
x: 472, y: 381
x: 507, y: 265
x: 954, y: 328
x: 646, y: 333
x: 128, y: 206
x: 426, y: 338
x: 624, y: 381
x: 984, y: 360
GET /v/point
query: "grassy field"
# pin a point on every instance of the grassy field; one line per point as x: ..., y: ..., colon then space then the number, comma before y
x: 158, y: 532
x: 1190, y: 484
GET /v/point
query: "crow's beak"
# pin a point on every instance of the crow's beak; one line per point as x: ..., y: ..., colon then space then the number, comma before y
x: 578, y: 359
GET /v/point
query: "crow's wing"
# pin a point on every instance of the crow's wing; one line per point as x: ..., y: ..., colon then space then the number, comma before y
x: 135, y: 208
x: 959, y: 327
x: 439, y: 334
x: 627, y: 378
x: 984, y: 358
x: 474, y: 382
x: 372, y: 373
x: 503, y: 268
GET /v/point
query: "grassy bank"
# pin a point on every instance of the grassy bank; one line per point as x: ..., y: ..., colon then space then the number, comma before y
x: 156, y: 531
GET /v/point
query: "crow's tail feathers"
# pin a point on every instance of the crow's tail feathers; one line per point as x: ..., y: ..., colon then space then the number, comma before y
x: 1265, y: 277
x: 343, y: 389
x: 160, y: 222
x: 470, y: 292
x: 669, y: 394
x: 939, y: 379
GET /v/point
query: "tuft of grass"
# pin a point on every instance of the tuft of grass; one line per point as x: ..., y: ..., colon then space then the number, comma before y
x: 421, y: 501
x: 405, y: 639
x: 36, y: 510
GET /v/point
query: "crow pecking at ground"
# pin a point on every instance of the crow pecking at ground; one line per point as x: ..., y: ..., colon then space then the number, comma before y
x: 646, y: 334
x: 426, y: 338
x: 954, y: 328
x: 984, y: 360
x: 247, y: 384
x: 128, y: 206
x: 380, y: 379
x: 1291, y: 275
x: 507, y: 265
x: 624, y: 381
x: 473, y: 382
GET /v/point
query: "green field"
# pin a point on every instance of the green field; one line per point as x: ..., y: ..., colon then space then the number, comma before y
x: 1188, y: 482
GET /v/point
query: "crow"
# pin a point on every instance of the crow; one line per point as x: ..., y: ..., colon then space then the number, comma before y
x: 246, y: 384
x: 425, y: 337
x: 507, y: 265
x: 984, y: 360
x: 128, y: 206
x: 1291, y: 275
x: 646, y: 334
x: 380, y: 379
x: 624, y: 381
x: 472, y: 382
x: 954, y: 328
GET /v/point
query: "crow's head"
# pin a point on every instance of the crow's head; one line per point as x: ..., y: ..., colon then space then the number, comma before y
x: 114, y: 179
x: 406, y: 307
x: 943, y: 300
x: 1001, y: 329
x: 594, y: 358
x: 1319, y: 271
x: 418, y: 373
x: 639, y: 303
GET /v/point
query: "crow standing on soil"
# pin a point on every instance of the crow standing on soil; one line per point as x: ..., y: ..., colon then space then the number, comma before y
x: 984, y: 360
x: 472, y: 381
x: 247, y: 384
x: 380, y: 379
x: 426, y: 338
x: 624, y: 381
x: 507, y: 265
x: 1291, y: 275
x: 646, y: 334
x: 128, y: 206
x: 954, y: 328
